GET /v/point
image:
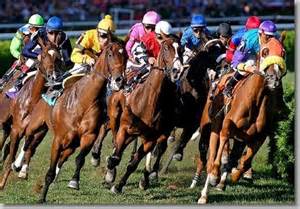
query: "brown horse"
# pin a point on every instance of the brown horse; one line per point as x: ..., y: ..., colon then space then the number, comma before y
x: 248, y: 119
x: 27, y: 98
x: 5, y: 115
x: 75, y: 117
x: 148, y: 112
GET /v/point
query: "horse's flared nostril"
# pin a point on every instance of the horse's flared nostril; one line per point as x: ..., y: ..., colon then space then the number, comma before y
x: 119, y: 79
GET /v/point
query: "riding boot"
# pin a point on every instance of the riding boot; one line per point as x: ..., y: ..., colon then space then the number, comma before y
x: 231, y: 84
x: 142, y: 73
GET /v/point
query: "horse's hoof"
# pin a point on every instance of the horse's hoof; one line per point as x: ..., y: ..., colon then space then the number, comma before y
x: 193, y: 184
x: 177, y: 157
x: 235, y: 175
x: 143, y: 184
x: 153, y: 176
x: 202, y: 200
x: 73, y: 184
x: 23, y: 175
x: 41, y: 201
x: 95, y: 162
x: 213, y: 180
x: 114, y: 189
x: 220, y: 187
x: 15, y: 168
x: 171, y: 139
x: 110, y: 175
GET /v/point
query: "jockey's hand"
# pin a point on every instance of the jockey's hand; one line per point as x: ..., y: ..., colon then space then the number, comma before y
x: 131, y: 58
x: 39, y: 57
x: 151, y: 60
x: 211, y: 74
x: 90, y: 62
x: 250, y: 69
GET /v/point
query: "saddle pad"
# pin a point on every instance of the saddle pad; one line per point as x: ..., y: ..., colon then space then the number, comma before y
x: 69, y: 81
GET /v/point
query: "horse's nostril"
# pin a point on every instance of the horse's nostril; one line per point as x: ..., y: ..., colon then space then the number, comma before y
x: 119, y: 79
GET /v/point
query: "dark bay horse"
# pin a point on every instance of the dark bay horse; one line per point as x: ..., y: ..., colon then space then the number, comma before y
x: 27, y: 98
x: 192, y: 93
x: 148, y: 111
x: 250, y: 115
x: 75, y: 117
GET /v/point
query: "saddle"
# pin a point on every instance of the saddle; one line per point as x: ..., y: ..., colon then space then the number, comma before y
x: 69, y: 81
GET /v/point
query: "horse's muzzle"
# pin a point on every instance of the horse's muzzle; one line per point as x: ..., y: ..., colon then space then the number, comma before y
x: 117, y: 83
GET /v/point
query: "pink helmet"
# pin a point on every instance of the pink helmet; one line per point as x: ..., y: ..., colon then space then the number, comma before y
x: 151, y: 18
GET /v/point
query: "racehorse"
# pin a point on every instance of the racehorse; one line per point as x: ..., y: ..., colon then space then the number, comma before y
x: 249, y: 115
x: 192, y: 93
x: 148, y: 111
x: 75, y: 117
x: 27, y: 98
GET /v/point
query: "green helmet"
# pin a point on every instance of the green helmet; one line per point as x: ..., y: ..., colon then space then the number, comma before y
x: 36, y: 20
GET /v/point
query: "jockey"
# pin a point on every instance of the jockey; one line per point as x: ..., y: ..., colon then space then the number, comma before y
x: 87, y: 49
x: 224, y: 33
x: 244, y: 58
x: 139, y: 29
x: 32, y: 50
x: 151, y: 43
x: 251, y: 23
x: 194, y: 36
x: 18, y: 41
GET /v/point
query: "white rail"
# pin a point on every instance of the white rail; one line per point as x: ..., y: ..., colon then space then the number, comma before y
x: 281, y: 26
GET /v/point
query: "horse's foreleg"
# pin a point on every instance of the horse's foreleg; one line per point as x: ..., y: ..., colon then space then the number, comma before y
x: 96, y: 150
x: 245, y: 162
x: 6, y: 131
x: 202, y: 158
x: 14, y: 144
x: 142, y: 151
x: 55, y: 154
x: 86, y: 143
x: 30, y: 150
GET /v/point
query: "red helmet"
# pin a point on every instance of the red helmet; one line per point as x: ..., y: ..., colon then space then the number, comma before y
x: 252, y: 22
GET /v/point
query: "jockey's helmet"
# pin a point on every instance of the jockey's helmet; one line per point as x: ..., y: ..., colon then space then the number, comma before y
x: 106, y: 24
x: 198, y: 20
x: 151, y: 18
x: 252, y: 22
x: 225, y: 30
x: 163, y: 27
x: 268, y: 27
x: 36, y: 20
x: 54, y: 24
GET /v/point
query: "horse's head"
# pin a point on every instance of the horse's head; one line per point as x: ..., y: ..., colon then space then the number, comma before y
x: 272, y: 63
x: 170, y: 58
x: 50, y: 59
x: 113, y: 58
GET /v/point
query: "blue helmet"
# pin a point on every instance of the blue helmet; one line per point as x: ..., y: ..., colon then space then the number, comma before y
x: 198, y: 21
x: 54, y: 24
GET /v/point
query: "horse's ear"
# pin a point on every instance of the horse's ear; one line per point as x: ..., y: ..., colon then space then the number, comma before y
x: 41, y: 42
x: 282, y: 36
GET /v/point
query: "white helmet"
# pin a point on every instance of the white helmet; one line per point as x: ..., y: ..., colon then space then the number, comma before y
x: 163, y: 27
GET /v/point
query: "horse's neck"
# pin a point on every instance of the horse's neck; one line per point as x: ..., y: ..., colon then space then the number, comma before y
x: 144, y: 101
x: 37, y: 87
x: 87, y: 90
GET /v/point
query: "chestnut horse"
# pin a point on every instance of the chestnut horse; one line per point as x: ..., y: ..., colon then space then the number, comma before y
x: 148, y: 111
x: 26, y: 100
x: 250, y: 115
x: 75, y: 117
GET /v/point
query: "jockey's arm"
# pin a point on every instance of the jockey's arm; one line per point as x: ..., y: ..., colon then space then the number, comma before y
x: 77, y: 55
x: 66, y: 53
x: 28, y: 49
x: 132, y: 37
x: 16, y: 45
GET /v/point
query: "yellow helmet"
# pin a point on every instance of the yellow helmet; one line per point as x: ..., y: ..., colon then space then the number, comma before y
x: 107, y: 24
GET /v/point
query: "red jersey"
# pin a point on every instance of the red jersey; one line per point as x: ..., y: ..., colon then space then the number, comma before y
x: 151, y: 44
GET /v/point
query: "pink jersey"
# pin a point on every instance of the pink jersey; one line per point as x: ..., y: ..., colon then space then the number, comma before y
x: 137, y: 31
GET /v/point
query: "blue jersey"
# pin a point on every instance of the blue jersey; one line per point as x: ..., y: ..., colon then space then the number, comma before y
x: 237, y: 37
x: 249, y: 47
x: 189, y: 40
